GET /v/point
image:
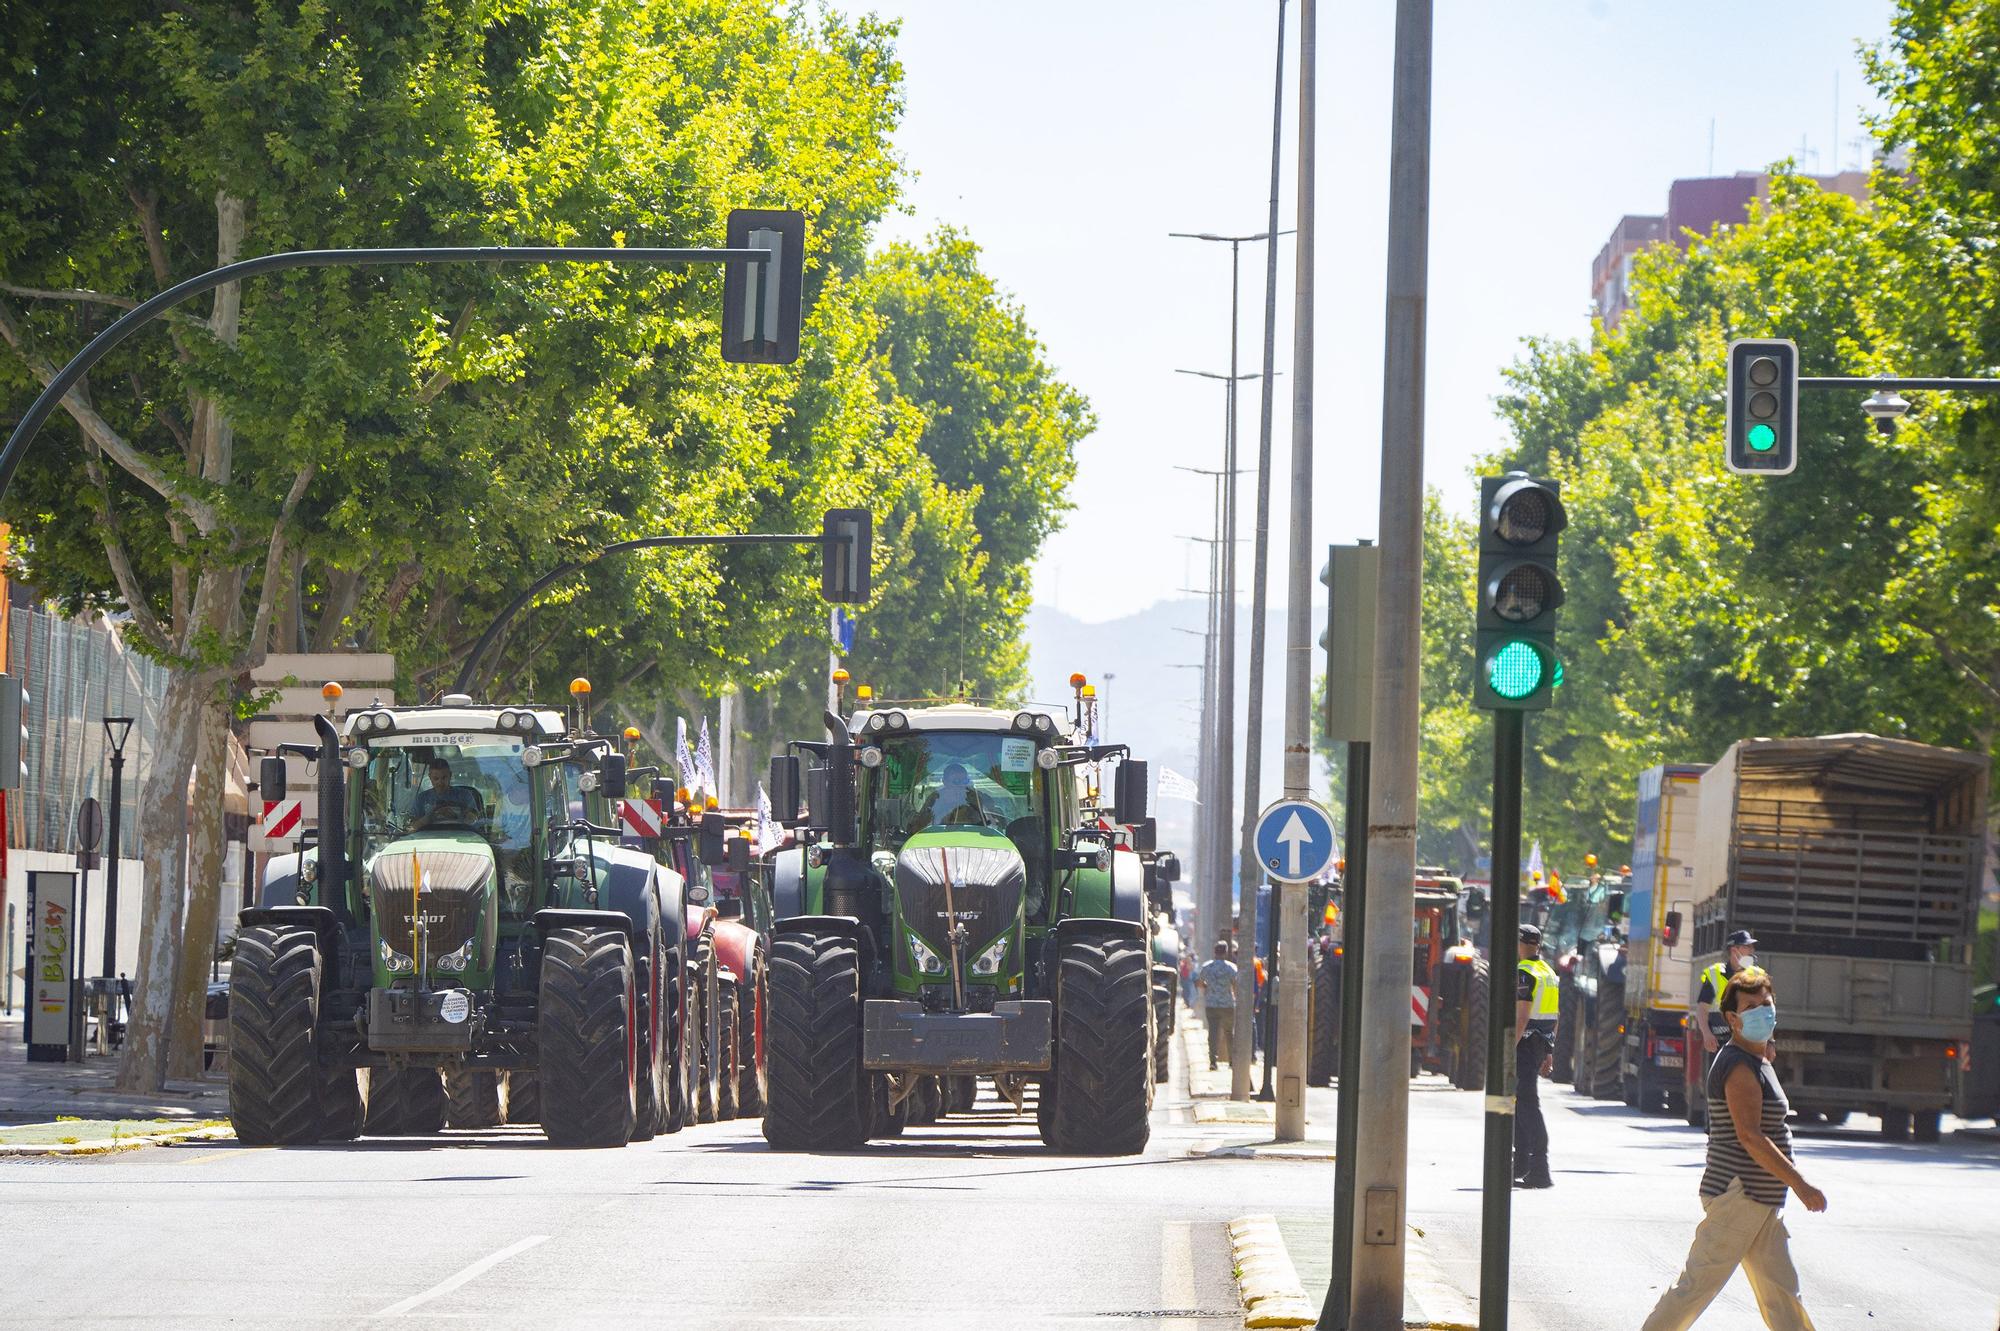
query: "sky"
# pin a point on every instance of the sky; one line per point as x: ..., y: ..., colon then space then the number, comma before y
x: 1069, y: 138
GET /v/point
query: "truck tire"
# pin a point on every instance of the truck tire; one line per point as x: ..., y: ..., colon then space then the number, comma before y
x: 405, y: 1102
x: 587, y: 1025
x: 1607, y: 1042
x: 727, y: 1052
x: 1323, y: 1023
x: 1104, y: 1090
x: 275, y: 1086
x: 1469, y: 1065
x: 1163, y: 1031
x: 1927, y: 1125
x: 1895, y: 1125
x: 1565, y: 1051
x: 524, y: 1096
x: 708, y: 1028
x: 473, y: 1098
x: 751, y: 1005
x: 819, y: 1097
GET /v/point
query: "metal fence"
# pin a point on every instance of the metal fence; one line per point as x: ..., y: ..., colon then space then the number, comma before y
x: 75, y: 674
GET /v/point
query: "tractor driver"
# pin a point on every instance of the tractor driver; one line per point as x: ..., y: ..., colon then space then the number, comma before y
x: 954, y: 804
x: 443, y: 802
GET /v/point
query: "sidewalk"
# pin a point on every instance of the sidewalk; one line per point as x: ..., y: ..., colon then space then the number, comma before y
x: 43, y: 1092
x: 1210, y: 1090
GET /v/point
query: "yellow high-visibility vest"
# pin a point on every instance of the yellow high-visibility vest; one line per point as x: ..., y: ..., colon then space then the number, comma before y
x: 1547, y: 1001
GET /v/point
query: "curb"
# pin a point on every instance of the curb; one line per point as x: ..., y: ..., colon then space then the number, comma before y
x: 205, y: 1132
x: 1265, y: 1277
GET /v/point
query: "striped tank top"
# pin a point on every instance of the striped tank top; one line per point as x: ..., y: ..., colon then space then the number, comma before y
x: 1727, y: 1158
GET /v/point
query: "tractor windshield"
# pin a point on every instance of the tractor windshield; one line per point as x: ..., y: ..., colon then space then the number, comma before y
x: 943, y: 778
x: 476, y: 783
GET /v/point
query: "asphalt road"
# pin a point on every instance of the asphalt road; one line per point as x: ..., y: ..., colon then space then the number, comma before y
x: 970, y: 1224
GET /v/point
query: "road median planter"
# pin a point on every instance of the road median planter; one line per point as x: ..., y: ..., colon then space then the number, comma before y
x: 99, y: 1136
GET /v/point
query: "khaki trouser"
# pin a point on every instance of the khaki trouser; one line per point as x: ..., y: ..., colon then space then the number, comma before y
x: 1221, y: 1024
x: 1737, y: 1231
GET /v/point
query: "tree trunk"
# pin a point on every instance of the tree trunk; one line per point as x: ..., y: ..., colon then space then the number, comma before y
x: 204, y: 897
x: 163, y: 824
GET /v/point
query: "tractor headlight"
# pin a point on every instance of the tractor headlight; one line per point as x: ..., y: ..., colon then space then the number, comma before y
x: 457, y: 961
x: 357, y: 757
x: 588, y: 781
x: 531, y: 756
x: 871, y: 756
x: 898, y: 721
x: 988, y: 962
x: 395, y: 962
x: 1046, y: 759
x: 878, y: 722
x: 1024, y: 721
x: 927, y: 961
x: 1046, y: 724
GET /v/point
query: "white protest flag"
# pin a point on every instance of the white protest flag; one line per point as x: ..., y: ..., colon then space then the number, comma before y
x: 704, y: 762
x: 683, y: 758
x: 1174, y: 786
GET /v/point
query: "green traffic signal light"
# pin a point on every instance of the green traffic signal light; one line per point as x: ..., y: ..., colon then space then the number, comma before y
x: 1762, y: 438
x: 1515, y: 671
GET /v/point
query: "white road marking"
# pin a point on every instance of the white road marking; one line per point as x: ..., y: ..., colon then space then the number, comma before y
x: 1177, y: 1264
x: 470, y: 1273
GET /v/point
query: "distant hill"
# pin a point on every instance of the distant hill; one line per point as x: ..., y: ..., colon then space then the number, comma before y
x: 1153, y: 707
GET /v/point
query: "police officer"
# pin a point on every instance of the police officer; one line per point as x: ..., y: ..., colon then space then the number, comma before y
x: 1536, y: 1003
x: 1714, y: 1027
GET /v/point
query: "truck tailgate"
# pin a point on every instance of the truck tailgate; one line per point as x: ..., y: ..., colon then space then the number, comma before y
x: 1871, y: 996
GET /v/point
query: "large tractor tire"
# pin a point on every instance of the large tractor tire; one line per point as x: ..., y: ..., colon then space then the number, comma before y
x: 524, y: 1096
x: 1607, y: 1043
x: 405, y: 1102
x: 926, y: 1103
x: 1163, y: 1030
x: 1323, y: 1023
x: 651, y: 1092
x: 1475, y: 1013
x: 818, y: 1093
x: 1103, y: 1081
x: 474, y: 1098
x: 728, y: 1051
x: 708, y: 1027
x: 1045, y: 1110
x: 587, y: 1025
x: 1565, y: 1051
x: 960, y: 1094
x: 885, y: 1121
x: 276, y: 1089
x: 751, y: 1004
x: 343, y: 1111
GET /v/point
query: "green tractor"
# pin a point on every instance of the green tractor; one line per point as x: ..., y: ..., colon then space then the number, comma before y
x: 462, y: 930
x: 953, y: 911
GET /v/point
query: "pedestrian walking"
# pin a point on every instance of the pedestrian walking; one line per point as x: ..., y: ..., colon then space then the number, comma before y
x: 1749, y: 1171
x: 1218, y: 1001
x: 1187, y: 976
x: 1536, y: 1007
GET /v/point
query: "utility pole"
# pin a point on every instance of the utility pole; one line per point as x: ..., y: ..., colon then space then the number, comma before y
x: 1382, y: 1138
x: 1211, y: 817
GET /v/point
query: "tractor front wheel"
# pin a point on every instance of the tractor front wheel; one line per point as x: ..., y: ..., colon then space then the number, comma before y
x: 275, y: 1086
x: 588, y: 1029
x: 405, y: 1102
x: 751, y: 1004
x: 473, y: 1098
x: 1103, y: 1077
x: 708, y: 1031
x: 728, y: 1043
x: 818, y: 1093
x: 1323, y: 1021
x: 524, y: 1096
x: 1474, y: 1012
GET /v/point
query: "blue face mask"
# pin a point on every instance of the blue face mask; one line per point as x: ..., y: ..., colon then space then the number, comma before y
x: 1759, y: 1023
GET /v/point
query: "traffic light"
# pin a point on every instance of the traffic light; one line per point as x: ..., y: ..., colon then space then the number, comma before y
x: 1520, y: 521
x: 1763, y: 406
x: 762, y: 302
x: 1350, y: 577
x: 13, y: 732
x: 847, y: 554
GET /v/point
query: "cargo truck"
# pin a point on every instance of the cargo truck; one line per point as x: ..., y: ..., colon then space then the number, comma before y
x: 1659, y: 912
x: 1855, y: 860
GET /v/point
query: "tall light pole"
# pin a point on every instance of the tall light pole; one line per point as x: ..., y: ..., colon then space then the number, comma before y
x: 1382, y: 1141
x: 1225, y: 628
x: 116, y: 730
x: 1211, y: 820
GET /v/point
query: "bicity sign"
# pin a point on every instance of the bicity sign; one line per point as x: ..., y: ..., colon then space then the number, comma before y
x: 1294, y: 840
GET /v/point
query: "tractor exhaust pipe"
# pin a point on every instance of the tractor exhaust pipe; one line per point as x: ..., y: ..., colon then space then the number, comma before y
x: 332, y: 821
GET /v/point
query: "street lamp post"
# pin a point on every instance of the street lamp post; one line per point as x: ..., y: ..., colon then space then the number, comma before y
x: 116, y: 730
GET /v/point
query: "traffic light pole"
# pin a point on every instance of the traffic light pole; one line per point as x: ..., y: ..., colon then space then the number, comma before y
x: 1333, y: 1314
x: 1503, y: 914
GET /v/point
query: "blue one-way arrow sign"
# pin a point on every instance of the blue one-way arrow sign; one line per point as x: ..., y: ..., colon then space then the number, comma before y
x: 1294, y: 840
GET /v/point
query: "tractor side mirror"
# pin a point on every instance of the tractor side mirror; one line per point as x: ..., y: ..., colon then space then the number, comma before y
x: 271, y: 778
x: 1671, y: 934
x: 611, y: 776
x: 816, y: 790
x: 739, y: 855
x: 711, y: 845
x: 784, y: 788
x: 1168, y: 866
x: 1475, y: 907
x: 1145, y: 834
x: 730, y: 908
x: 1129, y: 789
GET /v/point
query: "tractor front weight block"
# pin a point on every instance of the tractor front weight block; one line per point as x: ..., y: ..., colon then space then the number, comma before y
x: 406, y: 1021
x: 897, y: 1035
